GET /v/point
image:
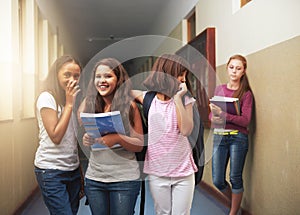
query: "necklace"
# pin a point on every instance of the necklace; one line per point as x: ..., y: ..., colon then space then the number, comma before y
x: 107, y: 108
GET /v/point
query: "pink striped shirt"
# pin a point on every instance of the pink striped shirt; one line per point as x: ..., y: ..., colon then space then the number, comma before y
x: 169, y: 152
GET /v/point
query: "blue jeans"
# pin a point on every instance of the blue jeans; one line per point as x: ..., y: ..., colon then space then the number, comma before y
x: 116, y: 198
x: 60, y: 190
x: 235, y: 148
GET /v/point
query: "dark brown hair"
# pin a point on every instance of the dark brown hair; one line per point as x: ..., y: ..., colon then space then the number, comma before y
x: 164, y: 73
x: 94, y: 102
x: 244, y: 82
x: 51, y: 83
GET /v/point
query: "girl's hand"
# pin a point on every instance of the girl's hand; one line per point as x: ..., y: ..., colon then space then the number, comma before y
x: 216, y: 110
x: 217, y: 120
x: 88, y: 140
x: 71, y: 91
x: 182, y: 90
x: 107, y: 140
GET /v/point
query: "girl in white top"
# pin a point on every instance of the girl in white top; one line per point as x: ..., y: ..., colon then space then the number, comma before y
x: 56, y: 160
x: 169, y: 160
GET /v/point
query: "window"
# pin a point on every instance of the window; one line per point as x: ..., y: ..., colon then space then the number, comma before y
x: 244, y: 2
x: 28, y: 38
x: 43, y: 49
x: 238, y: 4
x: 6, y: 60
x: 25, y: 43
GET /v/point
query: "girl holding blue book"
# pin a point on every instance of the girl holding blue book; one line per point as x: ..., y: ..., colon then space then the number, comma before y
x: 112, y: 178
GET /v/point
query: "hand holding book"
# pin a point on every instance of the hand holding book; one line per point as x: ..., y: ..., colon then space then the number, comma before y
x: 216, y: 110
x: 100, y: 124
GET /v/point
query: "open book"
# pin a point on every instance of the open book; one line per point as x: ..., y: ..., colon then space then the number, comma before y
x: 227, y: 104
x: 100, y: 124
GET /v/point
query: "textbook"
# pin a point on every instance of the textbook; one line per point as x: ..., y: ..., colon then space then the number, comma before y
x: 227, y: 104
x: 100, y: 124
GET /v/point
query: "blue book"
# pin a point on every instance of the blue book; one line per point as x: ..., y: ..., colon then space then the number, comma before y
x: 227, y: 104
x: 99, y: 124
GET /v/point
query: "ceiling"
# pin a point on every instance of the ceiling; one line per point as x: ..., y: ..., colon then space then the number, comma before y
x: 85, y: 27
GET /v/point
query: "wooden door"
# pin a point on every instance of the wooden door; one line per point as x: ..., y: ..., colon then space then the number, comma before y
x: 200, y: 53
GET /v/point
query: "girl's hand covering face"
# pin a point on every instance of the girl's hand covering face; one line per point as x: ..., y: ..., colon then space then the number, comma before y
x: 72, y: 88
x: 71, y: 91
x: 182, y: 89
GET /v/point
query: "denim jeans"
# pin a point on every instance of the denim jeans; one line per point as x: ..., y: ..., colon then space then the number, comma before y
x: 60, y: 190
x: 235, y: 148
x: 115, y: 198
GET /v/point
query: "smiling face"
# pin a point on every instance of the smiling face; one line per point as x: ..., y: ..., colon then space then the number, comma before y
x: 105, y: 81
x: 235, y: 70
x: 68, y: 72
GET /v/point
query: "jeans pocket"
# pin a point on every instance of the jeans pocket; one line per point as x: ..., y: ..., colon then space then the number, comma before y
x: 217, y: 139
x: 241, y: 138
x: 40, y: 175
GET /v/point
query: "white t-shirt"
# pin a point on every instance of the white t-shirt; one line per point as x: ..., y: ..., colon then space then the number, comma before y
x: 63, y: 156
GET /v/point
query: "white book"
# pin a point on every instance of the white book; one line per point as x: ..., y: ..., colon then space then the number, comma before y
x: 227, y: 104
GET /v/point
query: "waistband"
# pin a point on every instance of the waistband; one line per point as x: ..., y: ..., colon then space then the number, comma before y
x: 234, y: 132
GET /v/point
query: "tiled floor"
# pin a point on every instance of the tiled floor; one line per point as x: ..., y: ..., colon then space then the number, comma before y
x: 203, y: 204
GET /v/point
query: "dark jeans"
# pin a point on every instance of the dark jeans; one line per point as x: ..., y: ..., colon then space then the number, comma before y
x: 60, y: 190
x: 116, y: 198
x: 235, y: 148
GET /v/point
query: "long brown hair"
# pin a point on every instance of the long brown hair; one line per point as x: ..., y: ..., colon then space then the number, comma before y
x: 244, y: 82
x: 94, y: 102
x: 164, y: 73
x: 51, y: 83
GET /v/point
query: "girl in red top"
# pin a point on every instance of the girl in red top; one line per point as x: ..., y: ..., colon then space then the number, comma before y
x: 231, y: 133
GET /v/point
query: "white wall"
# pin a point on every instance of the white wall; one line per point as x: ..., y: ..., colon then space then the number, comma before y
x: 271, y: 22
x: 169, y: 19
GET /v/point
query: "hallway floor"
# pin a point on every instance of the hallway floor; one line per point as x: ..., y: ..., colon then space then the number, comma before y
x: 203, y: 204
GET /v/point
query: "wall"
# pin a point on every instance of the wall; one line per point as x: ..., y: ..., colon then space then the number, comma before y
x: 19, y: 141
x: 257, y: 25
x: 267, y: 33
x: 29, y: 43
x: 272, y: 168
x: 18, y: 133
x: 18, y: 144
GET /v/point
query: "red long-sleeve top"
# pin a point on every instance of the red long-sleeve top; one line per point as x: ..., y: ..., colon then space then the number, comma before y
x: 235, y: 122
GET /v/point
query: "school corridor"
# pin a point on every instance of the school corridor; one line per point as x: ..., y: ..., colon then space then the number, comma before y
x: 36, y: 32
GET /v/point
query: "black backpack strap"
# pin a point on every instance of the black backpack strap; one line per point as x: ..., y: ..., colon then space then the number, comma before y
x: 196, y: 141
x: 146, y: 106
x: 143, y: 197
x: 149, y: 96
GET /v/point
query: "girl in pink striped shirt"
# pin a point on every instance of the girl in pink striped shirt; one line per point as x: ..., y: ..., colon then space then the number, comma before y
x: 169, y: 161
